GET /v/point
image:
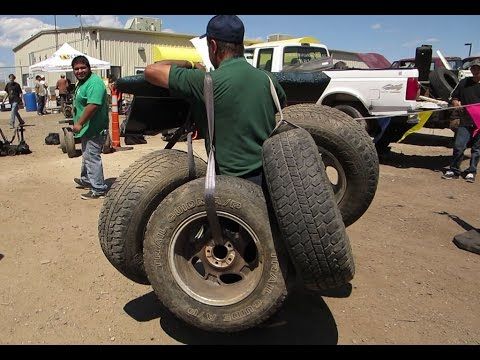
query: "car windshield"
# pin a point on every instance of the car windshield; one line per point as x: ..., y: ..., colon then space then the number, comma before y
x: 455, y: 64
x: 301, y: 54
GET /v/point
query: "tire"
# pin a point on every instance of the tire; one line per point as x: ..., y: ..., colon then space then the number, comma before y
x: 107, y: 145
x: 131, y: 200
x: 348, y: 154
x: 443, y: 82
x: 239, y: 288
x: 63, y: 146
x: 305, y: 207
x: 70, y: 143
x: 354, y: 113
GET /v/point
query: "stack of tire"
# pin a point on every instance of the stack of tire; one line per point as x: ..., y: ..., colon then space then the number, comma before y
x: 153, y: 226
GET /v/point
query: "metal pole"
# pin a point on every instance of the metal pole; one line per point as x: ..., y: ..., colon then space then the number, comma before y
x: 469, y: 49
x: 81, y: 30
x: 56, y: 34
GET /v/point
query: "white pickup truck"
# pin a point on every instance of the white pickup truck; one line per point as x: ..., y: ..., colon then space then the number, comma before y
x: 307, y: 73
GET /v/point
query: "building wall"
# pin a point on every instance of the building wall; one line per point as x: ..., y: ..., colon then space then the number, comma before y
x: 119, y: 47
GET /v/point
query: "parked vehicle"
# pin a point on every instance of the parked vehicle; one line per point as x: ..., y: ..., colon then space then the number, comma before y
x: 454, y: 62
x: 306, y: 71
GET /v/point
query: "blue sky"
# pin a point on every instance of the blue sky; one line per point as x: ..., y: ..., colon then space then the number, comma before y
x: 393, y: 36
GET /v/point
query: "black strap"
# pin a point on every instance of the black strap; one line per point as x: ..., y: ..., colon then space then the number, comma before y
x: 210, y: 177
x: 191, y: 161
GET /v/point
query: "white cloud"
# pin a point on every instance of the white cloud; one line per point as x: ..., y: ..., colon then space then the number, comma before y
x: 169, y: 31
x: 15, y: 30
x: 418, y: 42
x: 102, y: 20
x: 2, y: 64
x: 376, y: 26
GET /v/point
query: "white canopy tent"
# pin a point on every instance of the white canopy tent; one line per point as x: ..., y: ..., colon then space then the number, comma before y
x: 61, y: 61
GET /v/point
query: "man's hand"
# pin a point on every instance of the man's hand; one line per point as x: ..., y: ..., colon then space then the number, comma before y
x: 77, y: 128
x: 199, y: 66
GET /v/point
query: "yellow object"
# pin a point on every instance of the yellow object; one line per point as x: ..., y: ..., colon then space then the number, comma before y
x: 422, y: 119
x: 163, y: 52
x: 301, y: 40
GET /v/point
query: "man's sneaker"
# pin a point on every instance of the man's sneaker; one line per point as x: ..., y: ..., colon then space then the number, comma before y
x: 449, y: 175
x: 81, y: 184
x: 470, y: 177
x: 92, y: 195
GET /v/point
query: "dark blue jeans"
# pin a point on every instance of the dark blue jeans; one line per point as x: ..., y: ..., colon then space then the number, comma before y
x: 462, y: 137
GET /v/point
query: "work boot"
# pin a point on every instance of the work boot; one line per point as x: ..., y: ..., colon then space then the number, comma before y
x: 449, y: 174
x: 470, y: 177
x: 92, y: 195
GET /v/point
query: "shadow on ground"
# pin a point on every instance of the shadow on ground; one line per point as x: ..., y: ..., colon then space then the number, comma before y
x: 110, y: 182
x: 420, y: 139
x: 466, y: 226
x: 304, y: 319
x: 399, y: 160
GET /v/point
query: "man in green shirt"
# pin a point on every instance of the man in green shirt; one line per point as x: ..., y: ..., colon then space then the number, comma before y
x: 243, y: 105
x: 90, y: 117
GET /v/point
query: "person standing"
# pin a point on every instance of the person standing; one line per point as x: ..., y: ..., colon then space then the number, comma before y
x: 90, y: 117
x: 41, y: 93
x: 466, y: 92
x: 15, y: 98
x: 244, y: 108
x: 62, y: 87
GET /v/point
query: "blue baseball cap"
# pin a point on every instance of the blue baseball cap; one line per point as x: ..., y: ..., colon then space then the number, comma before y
x: 228, y: 28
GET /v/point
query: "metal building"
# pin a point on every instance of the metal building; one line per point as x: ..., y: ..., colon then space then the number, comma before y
x: 129, y: 51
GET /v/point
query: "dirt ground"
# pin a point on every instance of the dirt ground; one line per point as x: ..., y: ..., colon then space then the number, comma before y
x: 412, y: 284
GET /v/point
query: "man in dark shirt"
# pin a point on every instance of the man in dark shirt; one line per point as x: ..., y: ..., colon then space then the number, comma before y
x: 467, y: 92
x: 62, y: 86
x: 15, y: 95
x: 244, y: 108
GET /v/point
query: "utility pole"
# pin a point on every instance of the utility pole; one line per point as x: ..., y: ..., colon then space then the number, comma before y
x: 81, y: 29
x: 56, y: 34
x: 469, y: 49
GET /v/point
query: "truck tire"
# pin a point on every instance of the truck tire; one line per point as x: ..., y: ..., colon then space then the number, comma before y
x: 353, y: 112
x: 107, y: 145
x: 131, y: 200
x: 70, y: 143
x: 304, y: 205
x: 442, y: 81
x: 63, y: 146
x: 222, y: 288
x: 348, y: 154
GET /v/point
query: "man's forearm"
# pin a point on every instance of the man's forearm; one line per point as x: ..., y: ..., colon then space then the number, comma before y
x: 88, y: 112
x: 182, y: 63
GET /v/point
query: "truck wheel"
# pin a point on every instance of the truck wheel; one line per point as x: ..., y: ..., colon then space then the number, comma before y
x: 221, y: 288
x: 306, y: 211
x: 443, y: 82
x: 70, y: 143
x: 131, y: 200
x: 348, y: 154
x: 354, y: 113
x: 63, y: 146
x: 107, y: 145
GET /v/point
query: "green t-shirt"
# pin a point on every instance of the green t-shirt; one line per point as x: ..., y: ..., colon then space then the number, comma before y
x: 91, y: 91
x: 243, y: 107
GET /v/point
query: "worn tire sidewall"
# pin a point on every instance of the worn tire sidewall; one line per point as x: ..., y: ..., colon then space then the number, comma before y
x: 251, y: 208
